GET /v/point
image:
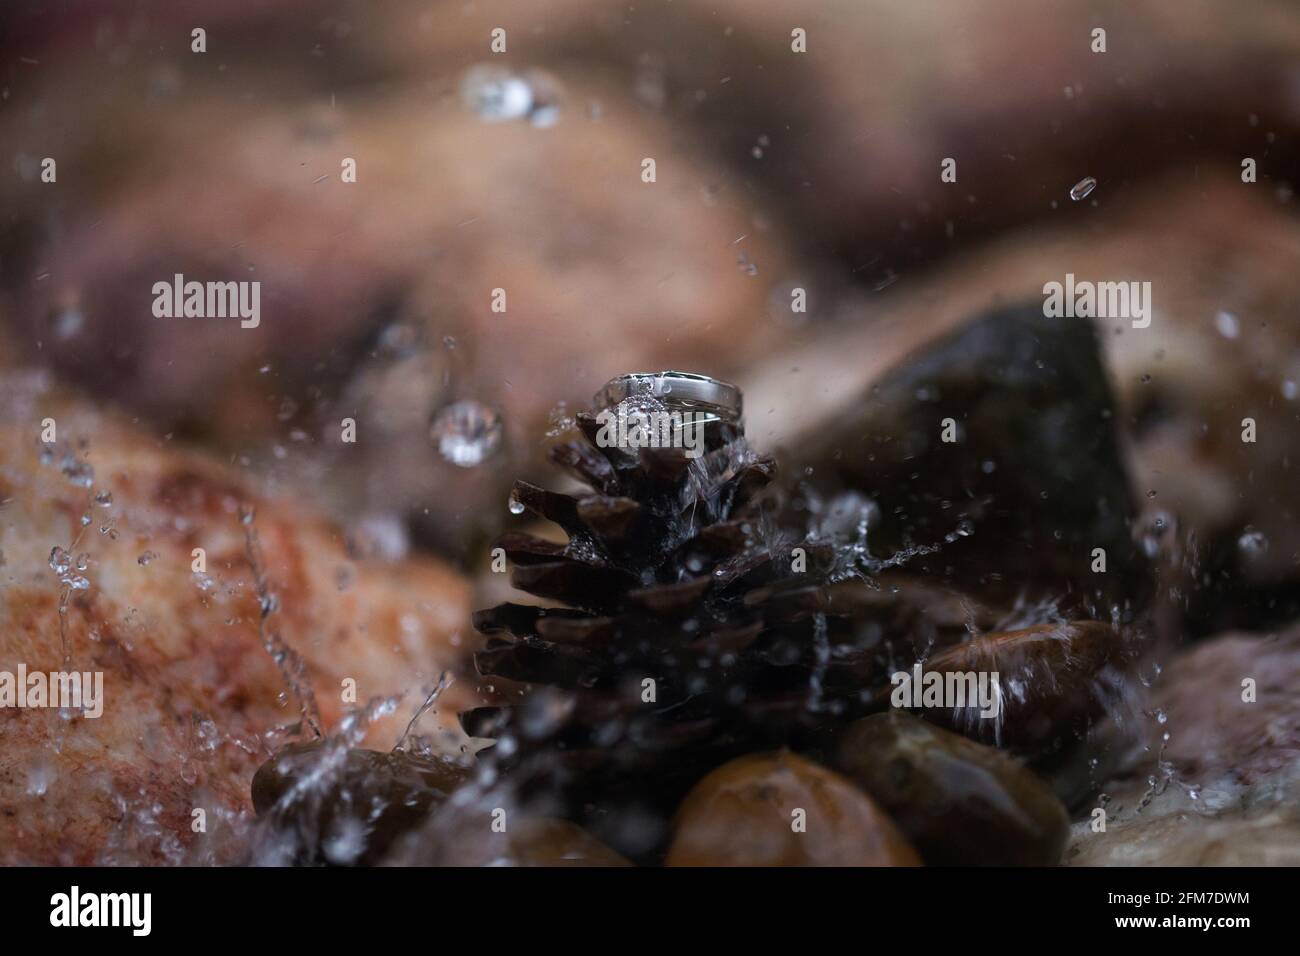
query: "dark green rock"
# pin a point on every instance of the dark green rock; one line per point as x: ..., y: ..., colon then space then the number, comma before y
x: 1034, y: 482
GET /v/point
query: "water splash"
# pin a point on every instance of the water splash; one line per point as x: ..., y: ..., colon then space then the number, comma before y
x: 292, y: 666
x: 444, y: 681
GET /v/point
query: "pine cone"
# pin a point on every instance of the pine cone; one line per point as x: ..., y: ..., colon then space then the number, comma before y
x: 693, y: 629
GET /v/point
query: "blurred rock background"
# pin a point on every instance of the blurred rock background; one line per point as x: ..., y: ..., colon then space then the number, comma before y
x: 776, y: 170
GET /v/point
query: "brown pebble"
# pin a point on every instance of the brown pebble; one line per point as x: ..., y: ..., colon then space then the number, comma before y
x: 1052, y: 678
x: 746, y: 813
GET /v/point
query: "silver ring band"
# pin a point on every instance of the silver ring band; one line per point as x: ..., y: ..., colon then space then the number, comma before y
x: 683, y: 390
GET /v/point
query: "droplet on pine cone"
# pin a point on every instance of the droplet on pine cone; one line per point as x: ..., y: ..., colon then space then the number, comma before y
x: 346, y: 806
x: 779, y: 809
x: 959, y: 802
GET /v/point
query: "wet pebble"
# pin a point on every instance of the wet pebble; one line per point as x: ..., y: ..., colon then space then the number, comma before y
x: 960, y: 803
x: 778, y: 809
x: 1054, y: 680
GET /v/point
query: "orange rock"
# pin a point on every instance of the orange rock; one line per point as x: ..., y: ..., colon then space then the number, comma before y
x: 188, y: 690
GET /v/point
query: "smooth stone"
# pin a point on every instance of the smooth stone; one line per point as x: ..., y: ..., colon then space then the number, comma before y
x: 745, y: 814
x: 1055, y: 681
x: 1227, y: 780
x: 1031, y: 480
x: 959, y: 802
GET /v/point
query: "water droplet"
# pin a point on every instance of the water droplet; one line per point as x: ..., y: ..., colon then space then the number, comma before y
x: 495, y: 94
x: 145, y: 558
x: 1227, y: 325
x: 381, y: 535
x: 67, y: 323
x: 39, y: 776
x: 1252, y: 542
x: 1082, y: 188
x: 560, y: 420
x: 543, y: 712
x: 467, y: 433
x: 60, y: 561
x: 104, y: 499
x: 544, y: 116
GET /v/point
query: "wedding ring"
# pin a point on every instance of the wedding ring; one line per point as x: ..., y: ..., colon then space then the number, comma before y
x: 685, y: 391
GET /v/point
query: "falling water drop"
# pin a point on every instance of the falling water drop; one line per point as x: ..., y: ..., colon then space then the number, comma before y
x: 1227, y: 325
x: 60, y: 561
x: 1252, y: 543
x: 467, y: 433
x: 1082, y: 188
